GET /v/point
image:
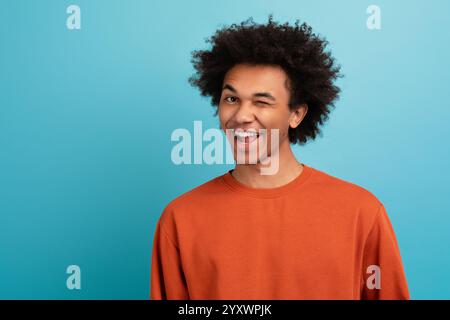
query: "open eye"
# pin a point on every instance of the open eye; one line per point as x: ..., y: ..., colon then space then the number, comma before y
x: 227, y: 99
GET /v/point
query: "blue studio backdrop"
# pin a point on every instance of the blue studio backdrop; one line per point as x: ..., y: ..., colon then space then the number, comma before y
x: 86, y: 116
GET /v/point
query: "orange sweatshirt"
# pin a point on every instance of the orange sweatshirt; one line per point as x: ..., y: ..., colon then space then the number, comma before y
x: 317, y: 237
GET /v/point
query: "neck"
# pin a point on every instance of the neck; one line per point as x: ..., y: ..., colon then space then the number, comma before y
x: 289, y: 169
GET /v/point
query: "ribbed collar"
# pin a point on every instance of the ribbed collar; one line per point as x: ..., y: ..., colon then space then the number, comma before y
x: 239, y: 187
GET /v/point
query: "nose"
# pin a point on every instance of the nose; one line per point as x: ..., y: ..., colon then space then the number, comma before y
x: 244, y: 113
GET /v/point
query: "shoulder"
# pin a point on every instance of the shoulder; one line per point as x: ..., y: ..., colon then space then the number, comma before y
x: 192, y: 199
x: 342, y: 193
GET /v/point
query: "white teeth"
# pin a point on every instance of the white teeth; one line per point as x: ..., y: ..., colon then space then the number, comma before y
x: 244, y: 134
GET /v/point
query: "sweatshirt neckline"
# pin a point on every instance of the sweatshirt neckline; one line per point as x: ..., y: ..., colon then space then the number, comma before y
x: 239, y: 187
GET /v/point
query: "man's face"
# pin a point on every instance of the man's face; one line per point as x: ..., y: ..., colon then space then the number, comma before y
x: 256, y: 97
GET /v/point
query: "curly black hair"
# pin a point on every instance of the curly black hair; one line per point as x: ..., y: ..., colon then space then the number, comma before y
x: 310, y: 69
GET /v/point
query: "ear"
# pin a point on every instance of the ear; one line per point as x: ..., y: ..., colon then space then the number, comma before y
x: 298, y: 115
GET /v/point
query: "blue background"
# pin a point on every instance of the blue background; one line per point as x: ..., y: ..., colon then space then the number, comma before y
x: 86, y: 117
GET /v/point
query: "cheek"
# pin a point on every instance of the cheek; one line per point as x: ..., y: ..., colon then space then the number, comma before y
x: 273, y: 119
x: 281, y: 123
x: 224, y: 114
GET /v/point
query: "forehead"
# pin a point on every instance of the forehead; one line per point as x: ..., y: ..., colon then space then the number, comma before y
x: 247, y: 79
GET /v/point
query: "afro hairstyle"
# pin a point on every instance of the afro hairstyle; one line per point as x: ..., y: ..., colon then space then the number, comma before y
x: 311, y: 70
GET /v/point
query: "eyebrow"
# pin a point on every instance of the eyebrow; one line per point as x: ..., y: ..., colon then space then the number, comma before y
x: 256, y: 94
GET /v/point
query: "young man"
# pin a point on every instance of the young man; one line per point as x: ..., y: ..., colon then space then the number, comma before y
x: 297, y: 233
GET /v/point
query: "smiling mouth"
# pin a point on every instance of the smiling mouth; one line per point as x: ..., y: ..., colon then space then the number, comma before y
x: 246, y: 137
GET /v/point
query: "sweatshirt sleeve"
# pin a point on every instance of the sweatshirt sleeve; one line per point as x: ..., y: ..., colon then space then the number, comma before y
x: 167, y: 277
x: 383, y: 277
